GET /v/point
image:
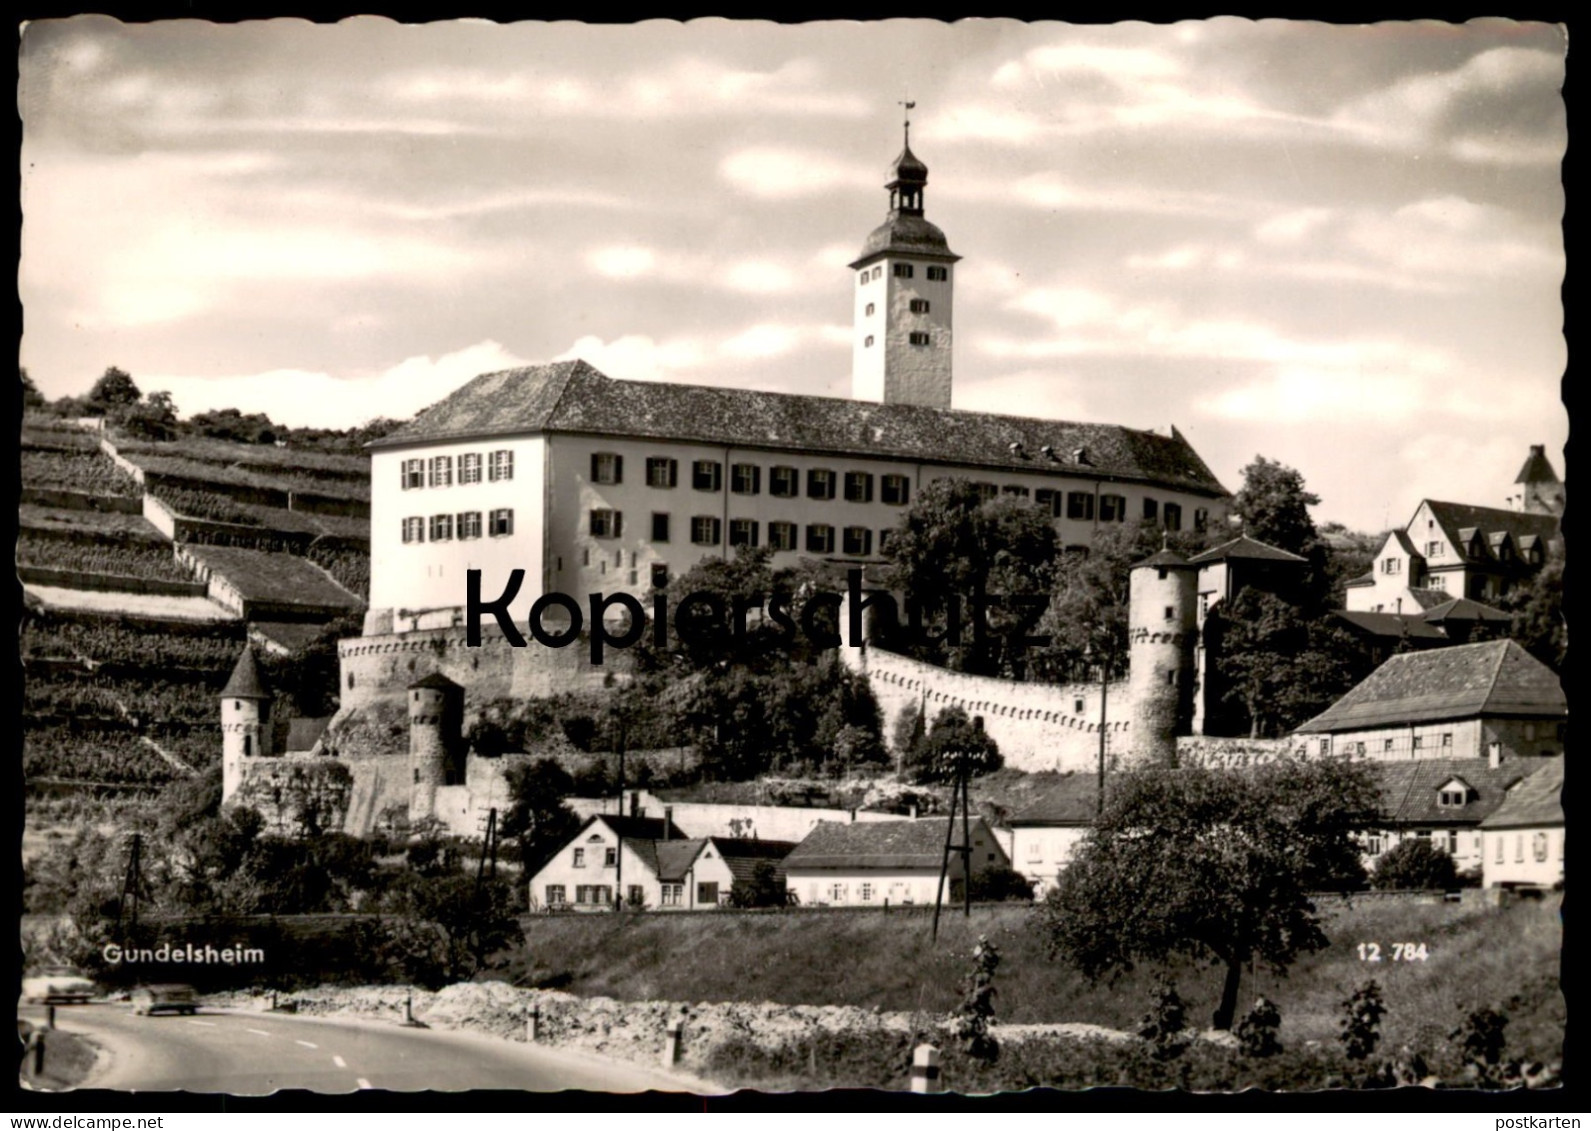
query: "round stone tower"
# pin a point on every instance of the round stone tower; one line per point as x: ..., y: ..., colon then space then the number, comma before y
x: 245, y: 723
x: 1161, y: 631
x: 436, y: 717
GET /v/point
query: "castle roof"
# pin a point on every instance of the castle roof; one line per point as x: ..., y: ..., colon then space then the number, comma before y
x: 1537, y: 469
x: 906, y: 234
x: 436, y: 680
x: 1163, y: 559
x: 245, y: 681
x: 908, y: 167
x: 1494, y: 678
x: 572, y: 397
x: 1246, y: 548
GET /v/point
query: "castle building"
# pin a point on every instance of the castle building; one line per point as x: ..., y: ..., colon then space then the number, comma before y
x: 595, y: 485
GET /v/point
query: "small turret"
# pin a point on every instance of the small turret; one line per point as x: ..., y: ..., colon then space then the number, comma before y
x: 245, y: 722
x: 1540, y: 490
x: 1161, y: 620
x: 436, y: 723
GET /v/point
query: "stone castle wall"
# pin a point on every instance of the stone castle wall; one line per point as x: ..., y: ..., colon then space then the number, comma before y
x: 381, y: 667
x: 1038, y: 726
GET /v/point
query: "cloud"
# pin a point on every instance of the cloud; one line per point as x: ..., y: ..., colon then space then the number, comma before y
x: 630, y: 263
x: 779, y: 173
x: 1500, y: 106
x: 303, y: 398
x: 702, y: 360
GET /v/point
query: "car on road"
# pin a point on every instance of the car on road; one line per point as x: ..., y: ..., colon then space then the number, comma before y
x: 58, y: 985
x: 168, y: 998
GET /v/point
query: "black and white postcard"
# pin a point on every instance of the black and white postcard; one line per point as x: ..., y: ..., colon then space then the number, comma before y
x: 724, y: 555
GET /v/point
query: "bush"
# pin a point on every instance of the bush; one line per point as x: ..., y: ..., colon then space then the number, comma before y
x: 1165, y: 1025
x: 1415, y: 864
x: 996, y: 884
x: 1361, y: 1027
x: 1256, y: 1033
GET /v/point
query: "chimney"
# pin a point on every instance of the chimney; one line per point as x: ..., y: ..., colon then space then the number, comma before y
x: 668, y: 819
x: 1538, y: 450
x: 912, y: 810
x: 635, y: 803
x: 1494, y: 755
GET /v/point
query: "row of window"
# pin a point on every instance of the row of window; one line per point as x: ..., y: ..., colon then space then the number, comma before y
x: 903, y: 271
x: 464, y: 526
x: 915, y: 338
x: 746, y: 479
x: 1538, y: 847
x: 1387, y: 744
x: 438, y: 470
x: 708, y: 530
x: 610, y: 858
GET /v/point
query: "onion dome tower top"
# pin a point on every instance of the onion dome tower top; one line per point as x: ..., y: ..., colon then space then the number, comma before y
x: 905, y: 231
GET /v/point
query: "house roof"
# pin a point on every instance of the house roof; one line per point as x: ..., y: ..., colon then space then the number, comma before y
x: 1406, y: 543
x: 1454, y: 517
x: 870, y: 845
x: 1536, y: 802
x: 1244, y: 547
x: 1428, y: 598
x: 303, y: 733
x: 1071, y: 800
x: 1496, y: 677
x: 1409, y: 790
x: 246, y: 681
x: 1362, y: 580
x: 637, y: 828
x: 572, y: 397
x: 904, y: 234
x: 673, y: 858
x: 742, y: 855
x: 1392, y: 625
x: 1537, y: 468
x: 1464, y: 609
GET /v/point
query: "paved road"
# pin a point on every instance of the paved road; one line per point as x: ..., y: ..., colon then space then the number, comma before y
x: 258, y: 1053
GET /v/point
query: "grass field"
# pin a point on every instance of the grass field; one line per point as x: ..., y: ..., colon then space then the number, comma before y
x: 1504, y: 958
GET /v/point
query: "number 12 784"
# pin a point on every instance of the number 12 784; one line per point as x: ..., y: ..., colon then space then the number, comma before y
x: 1401, y: 952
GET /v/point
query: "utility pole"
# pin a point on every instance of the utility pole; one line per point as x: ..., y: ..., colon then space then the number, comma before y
x: 618, y: 855
x: 131, y: 882
x: 958, y: 796
x: 1104, y: 697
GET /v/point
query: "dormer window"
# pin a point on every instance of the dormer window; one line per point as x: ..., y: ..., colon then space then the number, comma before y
x: 1452, y: 796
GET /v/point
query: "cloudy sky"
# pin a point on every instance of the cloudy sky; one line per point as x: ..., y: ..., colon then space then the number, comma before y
x: 1335, y: 246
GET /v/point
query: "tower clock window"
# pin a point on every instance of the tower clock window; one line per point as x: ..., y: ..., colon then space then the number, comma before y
x: 938, y: 274
x: 902, y: 271
x: 919, y: 306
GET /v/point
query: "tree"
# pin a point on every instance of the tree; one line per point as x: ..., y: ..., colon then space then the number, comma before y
x: 1086, y: 620
x: 1212, y: 864
x: 1274, y: 506
x: 1348, y: 554
x: 993, y: 885
x: 911, y: 731
x: 955, y: 740
x: 31, y: 397
x: 153, y: 418
x: 1415, y: 864
x: 1274, y: 665
x: 763, y: 889
x: 953, y: 545
x: 114, y: 390
x: 1537, y: 607
x: 537, y: 816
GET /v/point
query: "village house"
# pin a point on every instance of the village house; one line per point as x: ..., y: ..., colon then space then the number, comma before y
x: 653, y: 863
x: 1043, y: 836
x: 1451, y: 550
x: 893, y: 862
x: 1444, y: 801
x: 1245, y: 562
x: 1435, y: 622
x: 1492, y: 701
x: 1524, y: 837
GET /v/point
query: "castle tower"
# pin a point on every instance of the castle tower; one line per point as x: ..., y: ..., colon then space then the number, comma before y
x: 436, y: 720
x: 245, y: 722
x: 1161, y: 617
x: 904, y: 285
x: 1540, y: 491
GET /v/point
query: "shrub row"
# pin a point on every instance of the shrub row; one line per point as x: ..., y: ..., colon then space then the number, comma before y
x: 129, y: 559
x: 128, y: 645
x: 89, y: 472
x: 88, y: 755
x: 351, y: 568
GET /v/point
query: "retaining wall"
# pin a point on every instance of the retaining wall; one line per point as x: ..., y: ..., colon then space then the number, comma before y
x: 1038, y: 726
x: 81, y: 500
x: 110, y: 582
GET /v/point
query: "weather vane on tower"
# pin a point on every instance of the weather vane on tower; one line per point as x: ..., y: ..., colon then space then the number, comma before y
x: 910, y: 106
